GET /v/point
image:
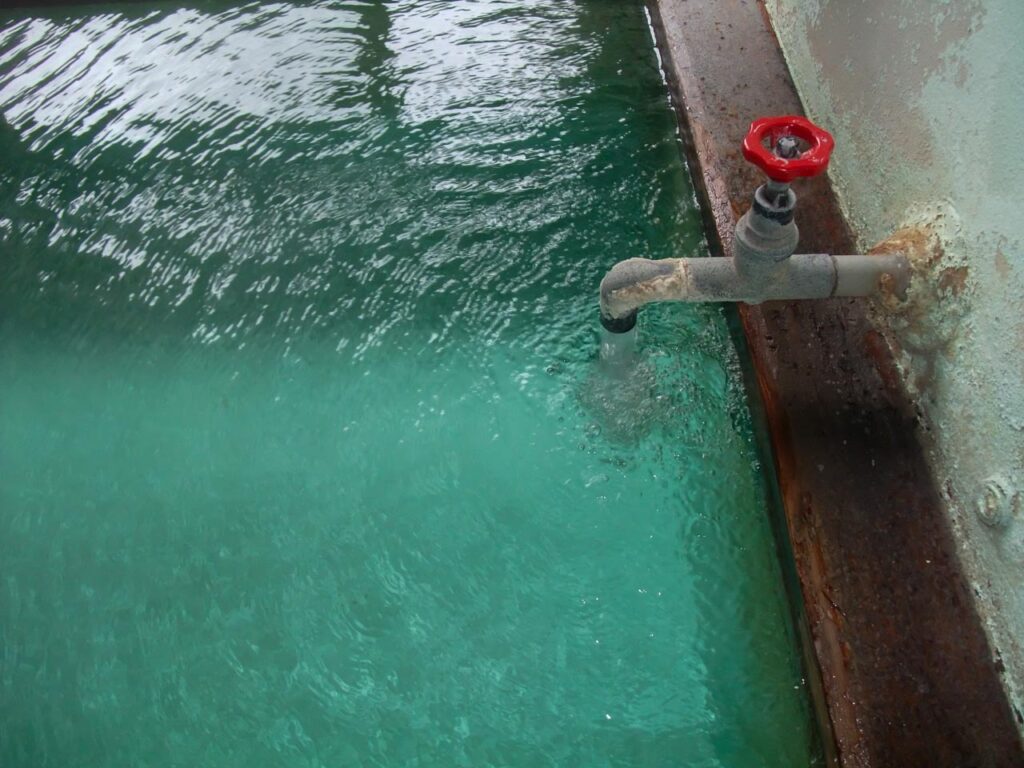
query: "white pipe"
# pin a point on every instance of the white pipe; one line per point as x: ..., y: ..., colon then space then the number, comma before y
x: 860, y: 275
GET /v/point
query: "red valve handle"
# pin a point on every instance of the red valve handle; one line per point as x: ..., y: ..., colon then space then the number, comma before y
x: 810, y: 163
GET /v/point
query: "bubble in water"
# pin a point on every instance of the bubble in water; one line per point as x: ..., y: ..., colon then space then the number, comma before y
x: 620, y: 394
x: 618, y: 350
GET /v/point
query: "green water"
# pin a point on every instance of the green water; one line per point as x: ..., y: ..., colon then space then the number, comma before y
x: 306, y: 454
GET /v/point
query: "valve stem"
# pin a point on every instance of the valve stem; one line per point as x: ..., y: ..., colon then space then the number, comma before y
x: 787, y: 147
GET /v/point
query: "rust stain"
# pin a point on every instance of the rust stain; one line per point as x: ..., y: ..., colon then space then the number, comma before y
x: 916, y: 242
x: 825, y: 619
x: 878, y: 352
x: 924, y: 321
x: 953, y: 280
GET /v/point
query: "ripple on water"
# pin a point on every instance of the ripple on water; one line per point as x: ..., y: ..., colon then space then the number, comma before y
x: 296, y: 167
x: 307, y: 455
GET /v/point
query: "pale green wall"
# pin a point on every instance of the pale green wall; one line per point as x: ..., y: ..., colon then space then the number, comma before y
x: 926, y: 101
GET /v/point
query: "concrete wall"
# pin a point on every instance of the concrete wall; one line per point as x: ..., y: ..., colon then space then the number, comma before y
x: 926, y: 102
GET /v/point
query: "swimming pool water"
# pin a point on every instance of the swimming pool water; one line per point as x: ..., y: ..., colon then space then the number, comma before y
x: 306, y: 454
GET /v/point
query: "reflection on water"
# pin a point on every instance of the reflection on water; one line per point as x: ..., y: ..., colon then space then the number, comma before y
x: 307, y: 453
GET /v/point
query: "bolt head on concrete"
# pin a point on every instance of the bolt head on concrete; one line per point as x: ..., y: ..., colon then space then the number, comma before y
x: 998, y: 502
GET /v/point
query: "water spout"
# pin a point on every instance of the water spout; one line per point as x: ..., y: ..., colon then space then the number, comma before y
x: 618, y: 350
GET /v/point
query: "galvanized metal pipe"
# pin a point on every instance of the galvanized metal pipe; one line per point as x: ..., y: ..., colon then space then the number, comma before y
x: 632, y: 283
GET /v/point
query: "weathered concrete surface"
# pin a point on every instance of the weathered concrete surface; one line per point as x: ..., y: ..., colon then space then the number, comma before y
x: 907, y: 675
x: 926, y: 101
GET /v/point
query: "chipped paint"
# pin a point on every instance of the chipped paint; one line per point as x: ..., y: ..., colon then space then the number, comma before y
x: 925, y: 101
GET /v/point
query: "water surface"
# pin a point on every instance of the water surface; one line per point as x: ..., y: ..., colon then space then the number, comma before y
x: 306, y: 455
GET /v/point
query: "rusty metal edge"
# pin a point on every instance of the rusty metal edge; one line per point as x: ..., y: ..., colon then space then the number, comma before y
x: 853, y: 734
x: 718, y: 219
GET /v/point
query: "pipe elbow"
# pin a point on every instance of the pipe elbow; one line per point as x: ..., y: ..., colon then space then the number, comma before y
x: 628, y: 286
